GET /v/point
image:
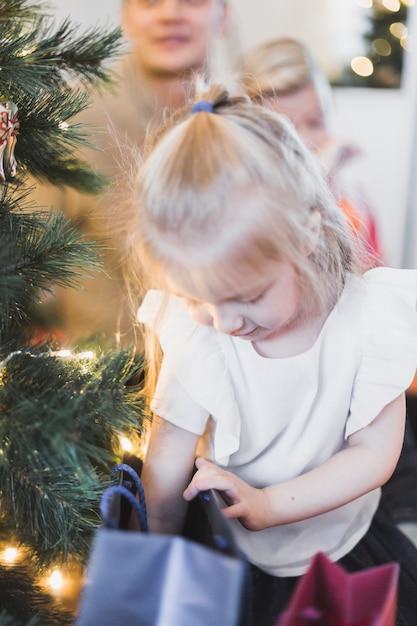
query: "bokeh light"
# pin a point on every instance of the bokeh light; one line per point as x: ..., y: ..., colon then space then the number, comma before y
x: 362, y: 66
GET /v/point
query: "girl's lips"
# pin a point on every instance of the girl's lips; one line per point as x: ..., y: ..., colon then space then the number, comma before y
x: 245, y: 335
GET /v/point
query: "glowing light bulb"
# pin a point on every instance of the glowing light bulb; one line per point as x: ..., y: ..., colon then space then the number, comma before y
x: 382, y: 47
x: 126, y: 444
x: 362, y: 66
x: 56, y: 580
x: 63, y: 353
x: 88, y: 354
x: 25, y: 52
x: 398, y: 29
x: 10, y: 555
x: 392, y: 5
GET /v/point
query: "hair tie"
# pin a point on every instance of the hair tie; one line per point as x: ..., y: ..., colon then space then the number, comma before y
x: 203, y: 105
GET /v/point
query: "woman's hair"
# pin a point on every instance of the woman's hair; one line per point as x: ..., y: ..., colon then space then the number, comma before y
x: 220, y: 192
x: 282, y: 66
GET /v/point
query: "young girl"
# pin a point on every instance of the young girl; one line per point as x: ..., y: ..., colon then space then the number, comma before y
x: 283, y: 75
x: 284, y: 367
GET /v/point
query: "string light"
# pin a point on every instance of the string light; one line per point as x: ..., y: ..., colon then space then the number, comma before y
x: 56, y: 580
x: 392, y: 5
x: 62, y: 353
x: 133, y: 444
x: 398, y: 29
x: 362, y: 66
x: 10, y: 555
x: 125, y: 443
x: 382, y: 47
x: 404, y: 43
x: 65, y: 354
x: 88, y: 354
x: 64, y: 581
x: 25, y: 52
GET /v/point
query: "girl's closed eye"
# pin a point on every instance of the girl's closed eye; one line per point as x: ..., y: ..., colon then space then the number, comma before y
x: 255, y: 299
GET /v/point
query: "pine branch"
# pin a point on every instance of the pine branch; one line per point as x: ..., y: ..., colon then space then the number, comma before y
x: 38, y: 70
x: 60, y: 417
x: 48, y: 138
x: 37, y: 251
x: 38, y: 59
x: 50, y: 498
x: 23, y: 10
x: 45, y: 123
x: 84, y: 56
x: 72, y: 173
x: 45, y: 251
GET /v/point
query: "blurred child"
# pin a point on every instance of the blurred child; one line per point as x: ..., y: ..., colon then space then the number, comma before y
x: 284, y: 365
x: 283, y: 75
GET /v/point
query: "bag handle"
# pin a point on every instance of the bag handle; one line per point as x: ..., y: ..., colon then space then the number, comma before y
x: 105, y: 507
x: 124, y: 467
x: 112, y: 521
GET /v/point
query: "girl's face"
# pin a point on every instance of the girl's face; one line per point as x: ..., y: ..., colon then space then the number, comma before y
x: 266, y: 306
x: 304, y: 108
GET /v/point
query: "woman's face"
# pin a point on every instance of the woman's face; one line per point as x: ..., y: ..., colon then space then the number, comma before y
x: 304, y: 108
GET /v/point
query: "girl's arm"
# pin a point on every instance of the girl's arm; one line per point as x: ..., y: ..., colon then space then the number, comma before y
x: 365, y: 464
x: 166, y: 472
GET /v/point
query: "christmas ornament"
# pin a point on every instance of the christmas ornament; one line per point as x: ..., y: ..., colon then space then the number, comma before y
x: 9, y: 128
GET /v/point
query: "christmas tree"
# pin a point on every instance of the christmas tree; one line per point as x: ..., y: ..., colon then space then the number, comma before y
x: 385, y: 44
x: 62, y: 413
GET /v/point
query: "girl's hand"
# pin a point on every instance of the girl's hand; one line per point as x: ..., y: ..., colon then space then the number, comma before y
x: 364, y: 464
x: 248, y: 504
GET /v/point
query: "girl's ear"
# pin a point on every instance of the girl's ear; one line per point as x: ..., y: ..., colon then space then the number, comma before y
x: 313, y: 232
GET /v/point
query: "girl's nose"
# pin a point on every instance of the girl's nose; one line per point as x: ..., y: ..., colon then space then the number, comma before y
x: 226, y: 320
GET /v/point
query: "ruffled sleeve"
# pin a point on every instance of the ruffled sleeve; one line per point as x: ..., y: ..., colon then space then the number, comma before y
x: 194, y: 360
x: 388, y: 321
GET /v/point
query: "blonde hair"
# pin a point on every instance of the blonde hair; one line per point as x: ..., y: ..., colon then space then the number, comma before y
x: 230, y: 188
x: 282, y: 66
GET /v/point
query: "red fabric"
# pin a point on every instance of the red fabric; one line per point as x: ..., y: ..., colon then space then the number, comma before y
x: 413, y: 387
x: 365, y: 228
x: 328, y: 596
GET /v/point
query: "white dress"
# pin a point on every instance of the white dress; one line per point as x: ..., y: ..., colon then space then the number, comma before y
x: 270, y: 419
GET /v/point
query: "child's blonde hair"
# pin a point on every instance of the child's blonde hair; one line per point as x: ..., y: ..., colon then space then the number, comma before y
x: 231, y: 188
x: 282, y: 66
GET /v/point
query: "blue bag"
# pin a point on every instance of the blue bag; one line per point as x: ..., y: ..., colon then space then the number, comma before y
x: 137, y: 578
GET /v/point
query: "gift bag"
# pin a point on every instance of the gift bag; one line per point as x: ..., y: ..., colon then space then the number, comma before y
x: 137, y: 578
x: 328, y: 596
